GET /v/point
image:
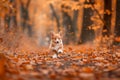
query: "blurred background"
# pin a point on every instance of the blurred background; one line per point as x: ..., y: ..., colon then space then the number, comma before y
x: 81, y: 21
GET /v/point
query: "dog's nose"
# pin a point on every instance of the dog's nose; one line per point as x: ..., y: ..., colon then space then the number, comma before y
x: 57, y: 41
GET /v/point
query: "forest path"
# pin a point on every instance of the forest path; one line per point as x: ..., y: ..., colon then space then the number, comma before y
x: 76, y: 63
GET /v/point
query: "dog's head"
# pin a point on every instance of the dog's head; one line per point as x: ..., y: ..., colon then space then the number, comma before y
x: 56, y: 37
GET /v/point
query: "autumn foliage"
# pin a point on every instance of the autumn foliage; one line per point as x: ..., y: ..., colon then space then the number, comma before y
x: 77, y: 62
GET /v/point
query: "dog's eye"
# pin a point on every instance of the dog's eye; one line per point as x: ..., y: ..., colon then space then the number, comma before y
x: 55, y: 38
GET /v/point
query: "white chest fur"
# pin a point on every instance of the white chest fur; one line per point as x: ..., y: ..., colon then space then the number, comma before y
x: 56, y: 46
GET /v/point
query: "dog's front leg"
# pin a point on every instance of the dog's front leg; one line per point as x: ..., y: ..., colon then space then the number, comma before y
x: 55, y: 56
x: 60, y: 51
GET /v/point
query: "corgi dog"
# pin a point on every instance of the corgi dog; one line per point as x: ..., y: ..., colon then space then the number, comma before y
x: 56, y: 44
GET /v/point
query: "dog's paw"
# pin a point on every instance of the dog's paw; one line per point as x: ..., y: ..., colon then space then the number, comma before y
x: 54, y: 56
x: 60, y: 51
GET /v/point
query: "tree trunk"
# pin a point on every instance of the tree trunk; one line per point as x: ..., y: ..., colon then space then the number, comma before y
x: 86, y: 33
x: 74, y: 24
x: 54, y: 14
x: 117, y: 23
x: 67, y: 26
x: 117, y: 28
x: 107, y: 37
x: 113, y: 19
x: 107, y: 17
x: 11, y: 18
x: 25, y: 19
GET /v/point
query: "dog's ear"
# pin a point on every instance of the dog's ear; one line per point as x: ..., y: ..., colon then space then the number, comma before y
x: 60, y: 33
x: 52, y: 34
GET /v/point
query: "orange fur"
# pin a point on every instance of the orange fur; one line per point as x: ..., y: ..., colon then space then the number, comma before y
x: 56, y: 44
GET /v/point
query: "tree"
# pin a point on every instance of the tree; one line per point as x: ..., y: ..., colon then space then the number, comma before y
x: 25, y: 20
x: 69, y: 24
x: 54, y: 15
x: 117, y: 28
x: 107, y: 17
x: 11, y: 17
x: 87, y: 33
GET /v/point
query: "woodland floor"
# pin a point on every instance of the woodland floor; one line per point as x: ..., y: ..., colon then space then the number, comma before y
x: 76, y: 63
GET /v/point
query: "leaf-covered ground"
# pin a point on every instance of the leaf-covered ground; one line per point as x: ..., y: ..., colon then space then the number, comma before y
x: 76, y: 63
